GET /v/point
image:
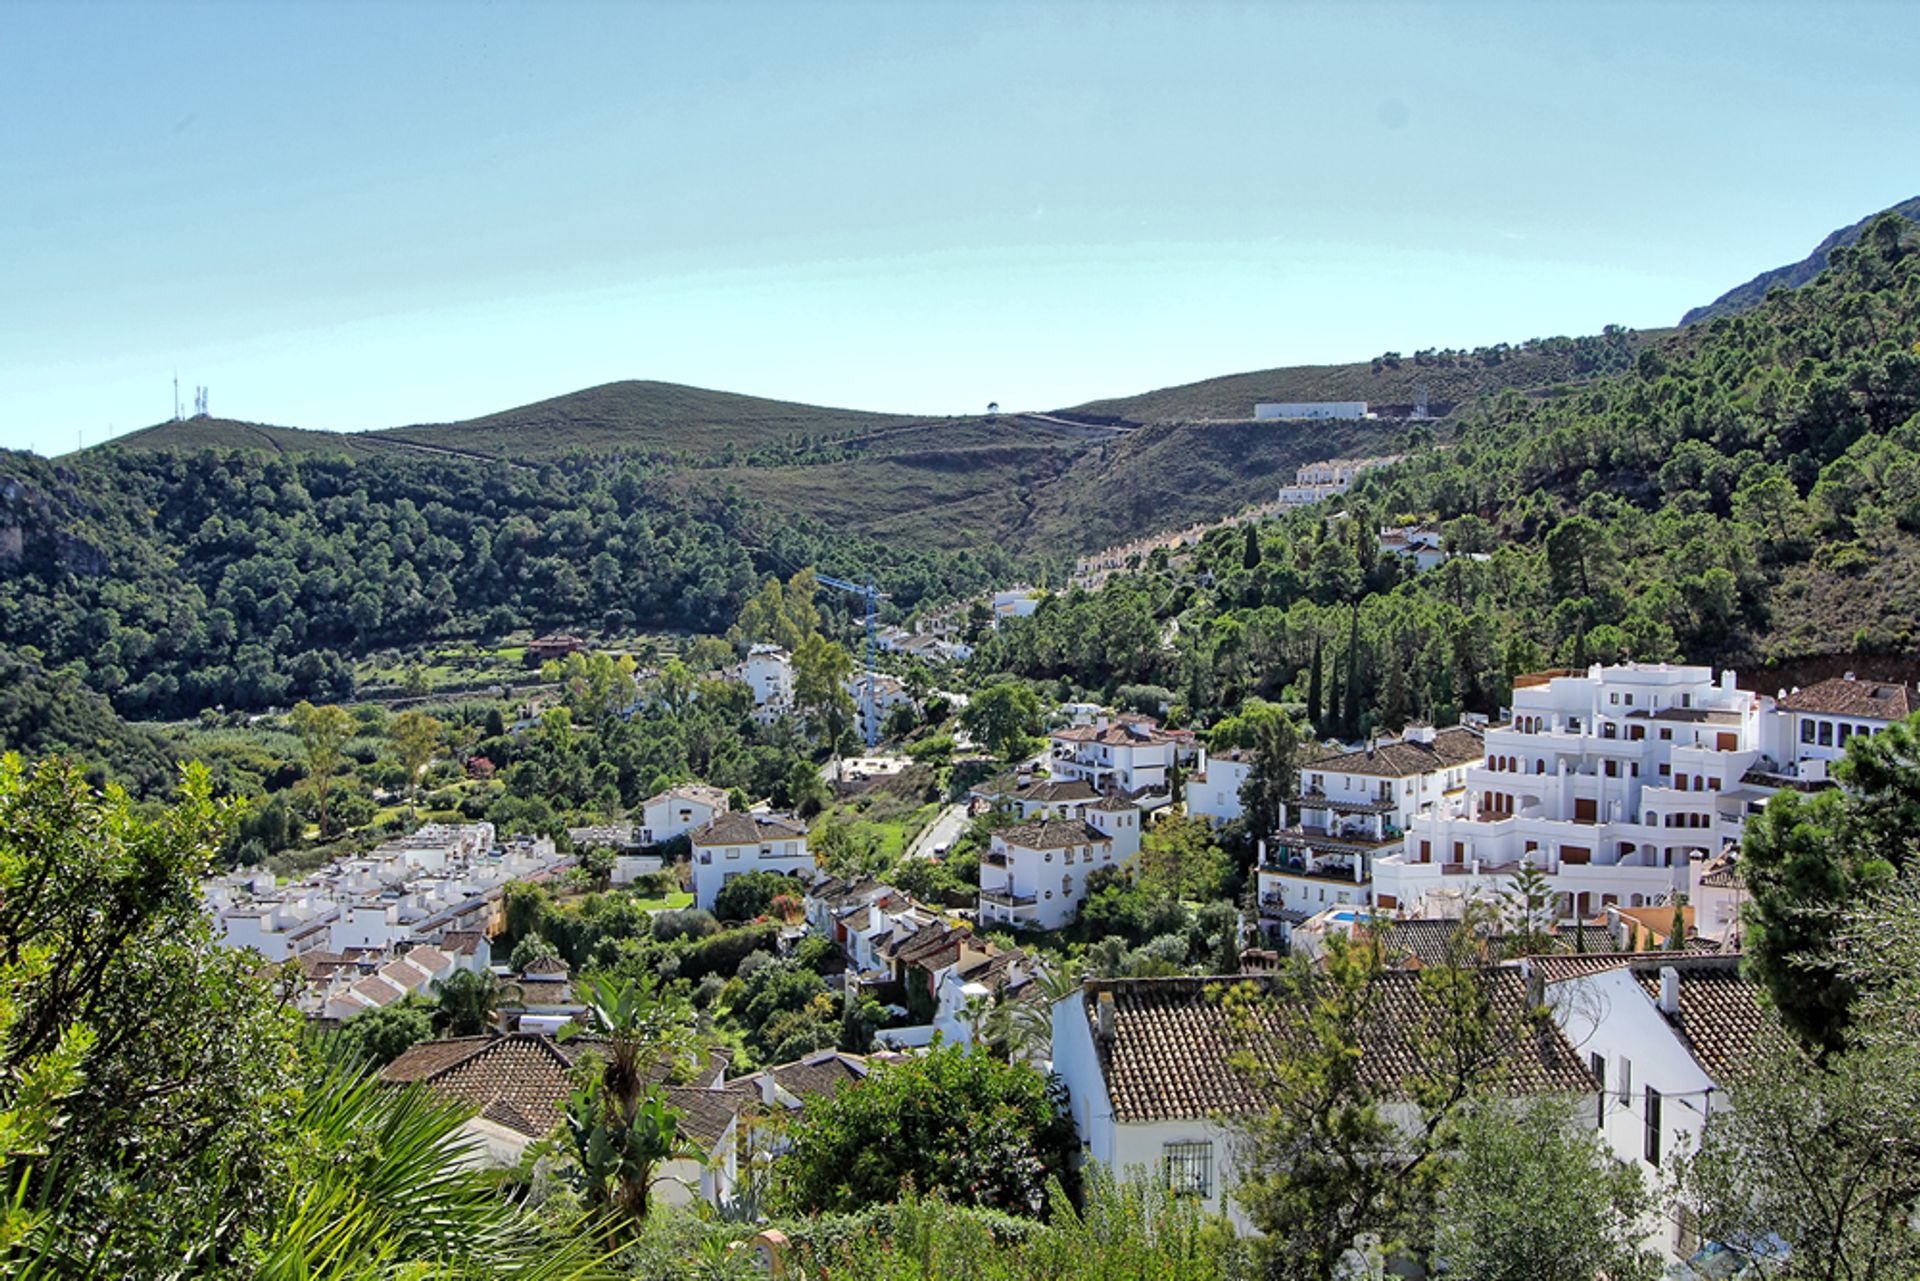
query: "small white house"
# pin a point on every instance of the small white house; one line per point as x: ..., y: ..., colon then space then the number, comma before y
x: 1663, y: 1037
x: 736, y: 843
x: 1213, y: 790
x: 1154, y: 1091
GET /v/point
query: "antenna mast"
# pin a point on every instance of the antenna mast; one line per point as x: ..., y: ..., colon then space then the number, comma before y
x: 176, y: 395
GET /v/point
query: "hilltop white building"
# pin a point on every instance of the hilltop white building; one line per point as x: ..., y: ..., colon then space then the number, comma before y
x: 1309, y: 409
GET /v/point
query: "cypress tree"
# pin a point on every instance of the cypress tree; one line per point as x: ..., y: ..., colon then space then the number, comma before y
x: 1313, y: 689
x: 1251, y: 557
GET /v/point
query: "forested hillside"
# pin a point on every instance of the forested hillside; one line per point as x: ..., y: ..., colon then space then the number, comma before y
x: 183, y: 581
x: 1754, y: 497
x: 1793, y: 275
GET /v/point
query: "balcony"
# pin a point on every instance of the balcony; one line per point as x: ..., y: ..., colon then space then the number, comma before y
x: 1347, y: 839
x: 1313, y: 870
x: 1000, y: 898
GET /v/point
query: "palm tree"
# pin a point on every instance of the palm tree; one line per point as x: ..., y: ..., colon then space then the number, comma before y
x: 621, y: 1125
x: 1029, y: 1021
x: 468, y: 1002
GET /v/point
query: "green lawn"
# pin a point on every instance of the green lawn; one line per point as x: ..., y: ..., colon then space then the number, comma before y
x: 674, y: 901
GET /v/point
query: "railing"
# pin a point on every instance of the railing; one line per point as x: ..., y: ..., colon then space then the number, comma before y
x: 1008, y: 900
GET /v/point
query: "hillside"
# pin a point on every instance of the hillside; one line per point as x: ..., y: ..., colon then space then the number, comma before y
x: 44, y: 712
x: 1389, y: 383
x: 1746, y: 499
x: 645, y: 417
x: 1794, y: 275
x: 190, y: 435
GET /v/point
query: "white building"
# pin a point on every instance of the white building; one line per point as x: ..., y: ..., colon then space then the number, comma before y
x: 1315, y: 481
x: 1213, y: 789
x: 1421, y: 544
x: 1035, y: 874
x: 1309, y: 409
x: 1663, y: 1037
x: 736, y: 843
x: 768, y: 671
x: 1608, y: 780
x: 1354, y: 810
x: 1128, y: 756
x: 678, y: 811
x: 1810, y: 727
x: 1015, y: 602
x: 1152, y: 1088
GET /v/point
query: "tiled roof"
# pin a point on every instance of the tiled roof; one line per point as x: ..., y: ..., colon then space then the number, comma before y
x: 1721, y: 1021
x: 1052, y: 834
x: 1573, y: 965
x: 546, y: 965
x: 747, y: 829
x: 1115, y: 804
x: 1841, y: 696
x: 706, y: 1112
x: 462, y: 942
x: 1170, y: 1055
x: 1450, y: 747
x: 1121, y: 733
x: 521, y: 1080
x: 1051, y: 792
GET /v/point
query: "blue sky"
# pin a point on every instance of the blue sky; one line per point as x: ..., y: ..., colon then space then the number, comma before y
x: 357, y: 215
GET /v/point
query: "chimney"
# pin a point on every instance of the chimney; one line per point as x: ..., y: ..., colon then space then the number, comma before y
x: 1103, y: 1014
x: 1670, y: 991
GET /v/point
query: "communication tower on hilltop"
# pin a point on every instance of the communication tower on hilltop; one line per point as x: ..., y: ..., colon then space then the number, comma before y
x: 1420, y: 402
x: 199, y: 402
x: 176, y: 395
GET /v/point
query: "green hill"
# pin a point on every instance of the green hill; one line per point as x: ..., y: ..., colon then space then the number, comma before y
x: 645, y: 417
x: 1793, y: 275
x: 190, y: 435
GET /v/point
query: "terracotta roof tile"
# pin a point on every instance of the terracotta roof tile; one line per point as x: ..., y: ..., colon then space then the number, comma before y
x: 1721, y: 1020
x: 748, y: 829
x: 1052, y: 834
x: 1170, y: 1055
x: 1450, y: 747
x: 1871, y: 700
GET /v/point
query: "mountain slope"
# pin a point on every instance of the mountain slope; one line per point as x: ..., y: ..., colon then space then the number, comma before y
x: 1390, y: 383
x: 1793, y: 275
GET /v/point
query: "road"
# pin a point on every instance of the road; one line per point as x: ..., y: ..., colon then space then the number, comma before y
x: 944, y: 830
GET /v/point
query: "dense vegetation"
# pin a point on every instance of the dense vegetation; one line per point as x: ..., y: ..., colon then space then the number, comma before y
x: 1752, y: 497
x: 178, y: 583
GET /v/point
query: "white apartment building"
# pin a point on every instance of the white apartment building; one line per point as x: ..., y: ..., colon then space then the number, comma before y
x: 736, y: 843
x: 1608, y: 780
x: 767, y: 670
x: 1354, y: 810
x: 1315, y: 481
x: 1127, y: 756
x: 1034, y: 876
x: 1810, y: 727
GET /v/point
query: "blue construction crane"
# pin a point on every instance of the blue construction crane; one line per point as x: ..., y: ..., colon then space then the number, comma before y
x: 873, y: 596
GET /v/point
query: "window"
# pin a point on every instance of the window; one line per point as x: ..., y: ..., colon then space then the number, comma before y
x: 1846, y: 732
x: 1653, y: 1126
x: 1066, y: 885
x: 1806, y: 731
x: 1189, y: 1168
x: 1826, y: 733
x: 1613, y: 697
x: 733, y: 851
x: 1597, y: 1064
x: 1629, y: 700
x: 1626, y: 1065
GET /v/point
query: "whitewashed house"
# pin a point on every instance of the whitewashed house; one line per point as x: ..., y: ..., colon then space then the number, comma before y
x: 1127, y: 756
x: 1034, y: 875
x: 1213, y: 789
x: 767, y: 670
x: 1664, y: 1037
x: 734, y: 843
x: 1153, y: 1090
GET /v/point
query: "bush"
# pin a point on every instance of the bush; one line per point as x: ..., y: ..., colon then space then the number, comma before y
x: 750, y: 894
x: 684, y: 923
x: 722, y: 953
